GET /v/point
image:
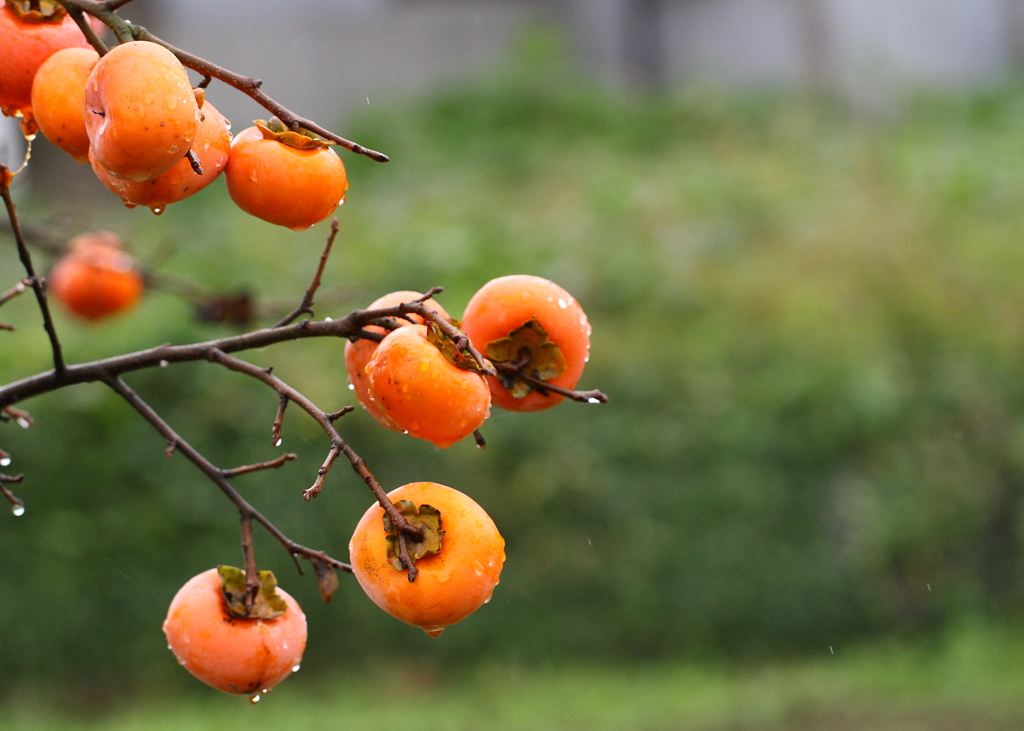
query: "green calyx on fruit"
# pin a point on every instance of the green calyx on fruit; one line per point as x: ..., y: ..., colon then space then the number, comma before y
x: 428, y: 519
x: 45, y: 11
x: 529, y: 345
x: 275, y: 129
x: 268, y: 604
x: 440, y: 340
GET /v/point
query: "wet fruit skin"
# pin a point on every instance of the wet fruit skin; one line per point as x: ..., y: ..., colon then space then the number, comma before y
x: 424, y: 394
x: 212, y: 145
x: 282, y: 184
x: 140, y: 112
x: 58, y: 93
x: 95, y: 278
x: 358, y: 354
x: 450, y: 585
x: 241, y: 656
x: 506, y: 303
x: 25, y: 47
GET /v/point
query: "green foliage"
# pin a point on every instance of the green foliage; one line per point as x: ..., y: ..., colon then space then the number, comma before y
x: 810, y: 329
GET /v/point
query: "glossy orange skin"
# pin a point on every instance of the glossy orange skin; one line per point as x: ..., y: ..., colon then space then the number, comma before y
x: 58, y: 94
x: 504, y: 304
x: 140, y: 112
x: 212, y: 146
x: 95, y: 279
x: 25, y: 46
x: 241, y: 656
x: 450, y: 585
x: 358, y: 354
x: 282, y: 184
x: 424, y: 394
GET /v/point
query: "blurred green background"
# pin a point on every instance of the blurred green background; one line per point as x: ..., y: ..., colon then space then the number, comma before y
x: 804, y: 495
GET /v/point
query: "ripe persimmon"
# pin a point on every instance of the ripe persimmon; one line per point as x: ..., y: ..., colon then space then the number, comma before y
x: 284, y: 177
x: 96, y: 278
x: 359, y: 352
x: 28, y: 38
x: 140, y: 112
x: 422, y: 392
x: 458, y: 564
x: 243, y: 655
x: 212, y: 145
x: 531, y: 321
x: 58, y: 93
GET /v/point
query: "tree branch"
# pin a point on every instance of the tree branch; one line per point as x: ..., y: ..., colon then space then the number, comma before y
x: 306, y: 306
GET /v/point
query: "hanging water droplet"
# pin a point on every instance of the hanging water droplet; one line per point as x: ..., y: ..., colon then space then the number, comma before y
x: 164, y: 364
x: 435, y: 631
x: 295, y: 668
x: 254, y: 698
x: 5, y: 461
x: 351, y: 386
x: 23, y: 422
x: 266, y: 690
x: 593, y: 401
x: 18, y: 510
x: 158, y: 210
x: 278, y: 442
x: 328, y: 319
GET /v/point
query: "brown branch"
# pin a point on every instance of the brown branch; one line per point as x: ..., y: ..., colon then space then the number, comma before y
x: 216, y: 475
x: 252, y: 579
x: 90, y: 35
x: 193, y: 161
x: 275, y: 430
x: 17, y: 504
x: 23, y: 418
x: 14, y: 291
x: 542, y: 387
x: 306, y: 306
x: 26, y: 261
x: 271, y: 465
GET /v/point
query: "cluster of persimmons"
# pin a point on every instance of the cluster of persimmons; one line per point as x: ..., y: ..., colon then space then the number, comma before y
x: 152, y: 139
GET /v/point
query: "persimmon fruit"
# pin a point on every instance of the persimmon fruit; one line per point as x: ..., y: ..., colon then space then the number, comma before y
x: 28, y: 39
x: 528, y: 319
x: 212, y: 145
x: 271, y: 178
x: 58, y: 94
x: 422, y: 392
x: 140, y: 111
x: 96, y: 279
x: 452, y: 582
x: 359, y: 352
x: 234, y: 654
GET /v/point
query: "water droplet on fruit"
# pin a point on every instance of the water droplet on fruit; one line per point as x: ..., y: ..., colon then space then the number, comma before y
x: 593, y: 401
x: 130, y: 205
x: 255, y: 698
x: 266, y: 690
x: 23, y: 422
x: 434, y: 631
x: 351, y: 386
x: 253, y: 177
x: 18, y: 510
x: 487, y: 600
x: 295, y: 668
x: 278, y: 442
x: 157, y: 209
x: 562, y: 303
x: 5, y: 461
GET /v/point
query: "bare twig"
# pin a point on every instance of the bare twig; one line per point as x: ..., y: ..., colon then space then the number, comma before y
x: 14, y: 291
x: 26, y: 262
x: 17, y: 504
x: 193, y: 161
x: 306, y: 306
x: 252, y: 579
x: 275, y: 430
x: 542, y: 387
x: 90, y: 35
x: 216, y: 475
x: 271, y: 465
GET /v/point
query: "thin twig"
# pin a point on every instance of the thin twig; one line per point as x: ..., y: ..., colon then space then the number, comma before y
x: 15, y: 291
x: 513, y: 370
x: 26, y: 262
x: 306, y: 306
x: 90, y: 35
x: 252, y: 579
x: 271, y: 465
x: 216, y: 475
x: 275, y: 430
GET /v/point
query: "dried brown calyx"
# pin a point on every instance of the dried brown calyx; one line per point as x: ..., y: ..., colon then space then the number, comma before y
x: 37, y: 11
x: 268, y: 603
x: 425, y: 517
x: 303, y: 139
x: 529, y: 349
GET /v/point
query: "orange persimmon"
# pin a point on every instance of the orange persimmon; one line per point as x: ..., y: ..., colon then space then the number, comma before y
x: 523, y: 317
x: 140, y: 112
x: 96, y: 278
x: 28, y: 38
x: 58, y: 94
x: 237, y: 655
x: 422, y: 392
x: 451, y: 582
x: 212, y: 145
x: 359, y: 352
x: 269, y: 177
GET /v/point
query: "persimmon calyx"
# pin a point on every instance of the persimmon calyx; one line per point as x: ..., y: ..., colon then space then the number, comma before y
x: 268, y: 605
x: 45, y: 11
x: 425, y: 517
x: 450, y: 350
x: 529, y: 347
x: 303, y: 139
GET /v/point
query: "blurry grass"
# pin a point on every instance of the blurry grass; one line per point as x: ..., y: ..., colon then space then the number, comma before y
x: 969, y: 680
